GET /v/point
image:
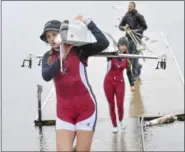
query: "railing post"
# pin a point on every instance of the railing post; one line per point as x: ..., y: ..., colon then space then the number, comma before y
x: 39, y: 91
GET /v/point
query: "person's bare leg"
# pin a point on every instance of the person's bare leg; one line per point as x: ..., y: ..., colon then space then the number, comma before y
x: 64, y: 140
x: 84, y: 140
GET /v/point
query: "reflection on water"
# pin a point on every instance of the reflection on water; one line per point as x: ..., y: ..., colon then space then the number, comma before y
x: 46, y: 138
x: 118, y: 142
x: 114, y: 142
x: 42, y: 141
x: 136, y: 105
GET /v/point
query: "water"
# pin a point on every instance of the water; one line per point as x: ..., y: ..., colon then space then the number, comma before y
x: 22, y: 24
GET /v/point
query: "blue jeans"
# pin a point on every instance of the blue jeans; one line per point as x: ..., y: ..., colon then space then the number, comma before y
x: 136, y: 67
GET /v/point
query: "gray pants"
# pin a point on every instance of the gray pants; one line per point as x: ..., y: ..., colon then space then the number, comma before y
x: 136, y: 67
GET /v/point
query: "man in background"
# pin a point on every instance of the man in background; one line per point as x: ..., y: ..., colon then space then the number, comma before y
x: 136, y: 22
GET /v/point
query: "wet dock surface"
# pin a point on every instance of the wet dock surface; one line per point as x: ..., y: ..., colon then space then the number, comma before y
x: 127, y: 140
x: 158, y: 92
x: 165, y: 137
x: 157, y: 138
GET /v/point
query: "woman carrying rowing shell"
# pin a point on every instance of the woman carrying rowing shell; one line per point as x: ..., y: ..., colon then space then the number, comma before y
x: 114, y: 84
x: 76, y: 103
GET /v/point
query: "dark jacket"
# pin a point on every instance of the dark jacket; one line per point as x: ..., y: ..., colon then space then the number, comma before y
x: 135, y: 21
x: 50, y: 70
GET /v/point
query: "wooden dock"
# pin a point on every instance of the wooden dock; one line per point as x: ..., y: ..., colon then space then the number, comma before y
x: 158, y: 92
